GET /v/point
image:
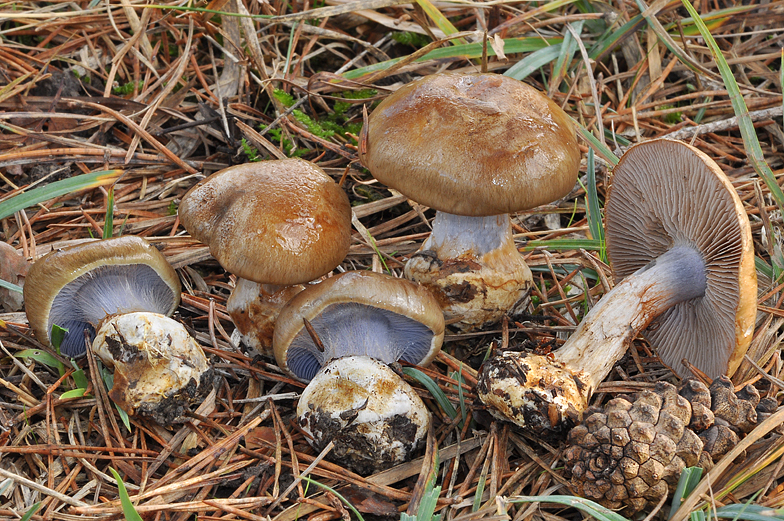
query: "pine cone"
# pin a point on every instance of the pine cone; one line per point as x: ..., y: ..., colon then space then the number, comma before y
x: 630, y: 453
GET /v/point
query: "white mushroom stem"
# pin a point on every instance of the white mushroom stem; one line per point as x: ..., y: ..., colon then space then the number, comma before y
x: 456, y: 235
x: 473, y: 267
x: 604, y: 334
x: 541, y: 392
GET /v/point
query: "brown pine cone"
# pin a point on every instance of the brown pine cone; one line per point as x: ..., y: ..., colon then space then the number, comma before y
x: 630, y: 453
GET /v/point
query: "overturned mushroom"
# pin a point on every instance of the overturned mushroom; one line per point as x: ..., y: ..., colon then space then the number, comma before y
x: 338, y: 335
x: 274, y: 224
x: 474, y: 147
x: 680, y: 243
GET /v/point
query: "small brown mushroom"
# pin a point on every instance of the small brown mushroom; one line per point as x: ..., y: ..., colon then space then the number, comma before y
x: 680, y: 244
x: 474, y: 147
x: 77, y: 287
x: 339, y: 334
x: 276, y: 224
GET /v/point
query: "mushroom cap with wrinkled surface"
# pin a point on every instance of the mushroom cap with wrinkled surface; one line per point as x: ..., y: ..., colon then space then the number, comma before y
x: 274, y: 222
x: 358, y: 313
x: 688, y: 202
x: 77, y: 287
x: 472, y: 144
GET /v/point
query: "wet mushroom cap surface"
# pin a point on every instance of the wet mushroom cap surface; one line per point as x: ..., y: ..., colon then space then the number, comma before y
x: 472, y: 144
x: 77, y: 287
x: 274, y: 222
x: 689, y: 203
x: 358, y: 313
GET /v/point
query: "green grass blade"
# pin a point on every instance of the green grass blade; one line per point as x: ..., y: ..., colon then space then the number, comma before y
x: 427, y: 505
x: 30, y: 513
x: 749, y: 512
x: 337, y: 495
x: 440, y: 20
x: 686, y: 483
x: 611, y: 39
x: 74, y: 393
x: 568, y: 48
x: 600, y: 148
x: 434, y: 389
x: 129, y: 511
x: 467, y: 51
x: 746, y: 125
x: 108, y: 221
x: 10, y: 286
x: 56, y: 189
x: 534, y: 61
x: 565, y: 244
x: 42, y: 357
x: 585, y: 505
x: 593, y: 208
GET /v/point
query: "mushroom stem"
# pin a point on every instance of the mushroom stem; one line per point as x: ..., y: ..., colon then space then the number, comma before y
x: 473, y: 267
x: 541, y: 392
x: 456, y: 235
x: 604, y: 334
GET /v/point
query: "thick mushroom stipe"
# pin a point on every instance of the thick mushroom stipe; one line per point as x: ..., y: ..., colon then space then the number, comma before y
x: 478, y: 146
x: 472, y: 266
x: 373, y: 417
x: 159, y: 369
x: 254, y: 308
x: 671, y: 205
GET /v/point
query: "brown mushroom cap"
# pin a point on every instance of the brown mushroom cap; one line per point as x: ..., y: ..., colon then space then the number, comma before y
x: 688, y: 202
x: 358, y: 313
x: 472, y: 144
x: 274, y: 222
x: 76, y: 287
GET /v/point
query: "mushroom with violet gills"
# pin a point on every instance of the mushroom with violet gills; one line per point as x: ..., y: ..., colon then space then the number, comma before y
x: 474, y: 147
x: 120, y: 292
x: 338, y: 335
x: 276, y: 225
x: 681, y: 250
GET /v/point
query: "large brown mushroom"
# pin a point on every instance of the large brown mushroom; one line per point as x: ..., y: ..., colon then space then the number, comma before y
x: 338, y: 335
x: 475, y: 147
x: 680, y: 245
x: 274, y: 224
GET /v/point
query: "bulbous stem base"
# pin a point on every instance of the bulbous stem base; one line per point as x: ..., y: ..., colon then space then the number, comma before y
x: 473, y: 267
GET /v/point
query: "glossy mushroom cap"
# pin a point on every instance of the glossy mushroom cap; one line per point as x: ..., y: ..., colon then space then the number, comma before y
x: 77, y: 287
x: 472, y: 144
x: 275, y: 222
x: 646, y: 217
x: 358, y: 313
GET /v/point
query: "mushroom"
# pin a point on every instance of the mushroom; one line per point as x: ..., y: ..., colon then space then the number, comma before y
x: 159, y: 368
x: 275, y: 224
x: 373, y: 417
x: 77, y: 287
x: 124, y: 288
x: 474, y: 147
x: 681, y: 250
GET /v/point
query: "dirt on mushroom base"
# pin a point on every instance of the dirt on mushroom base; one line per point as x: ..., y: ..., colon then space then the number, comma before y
x: 149, y: 192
